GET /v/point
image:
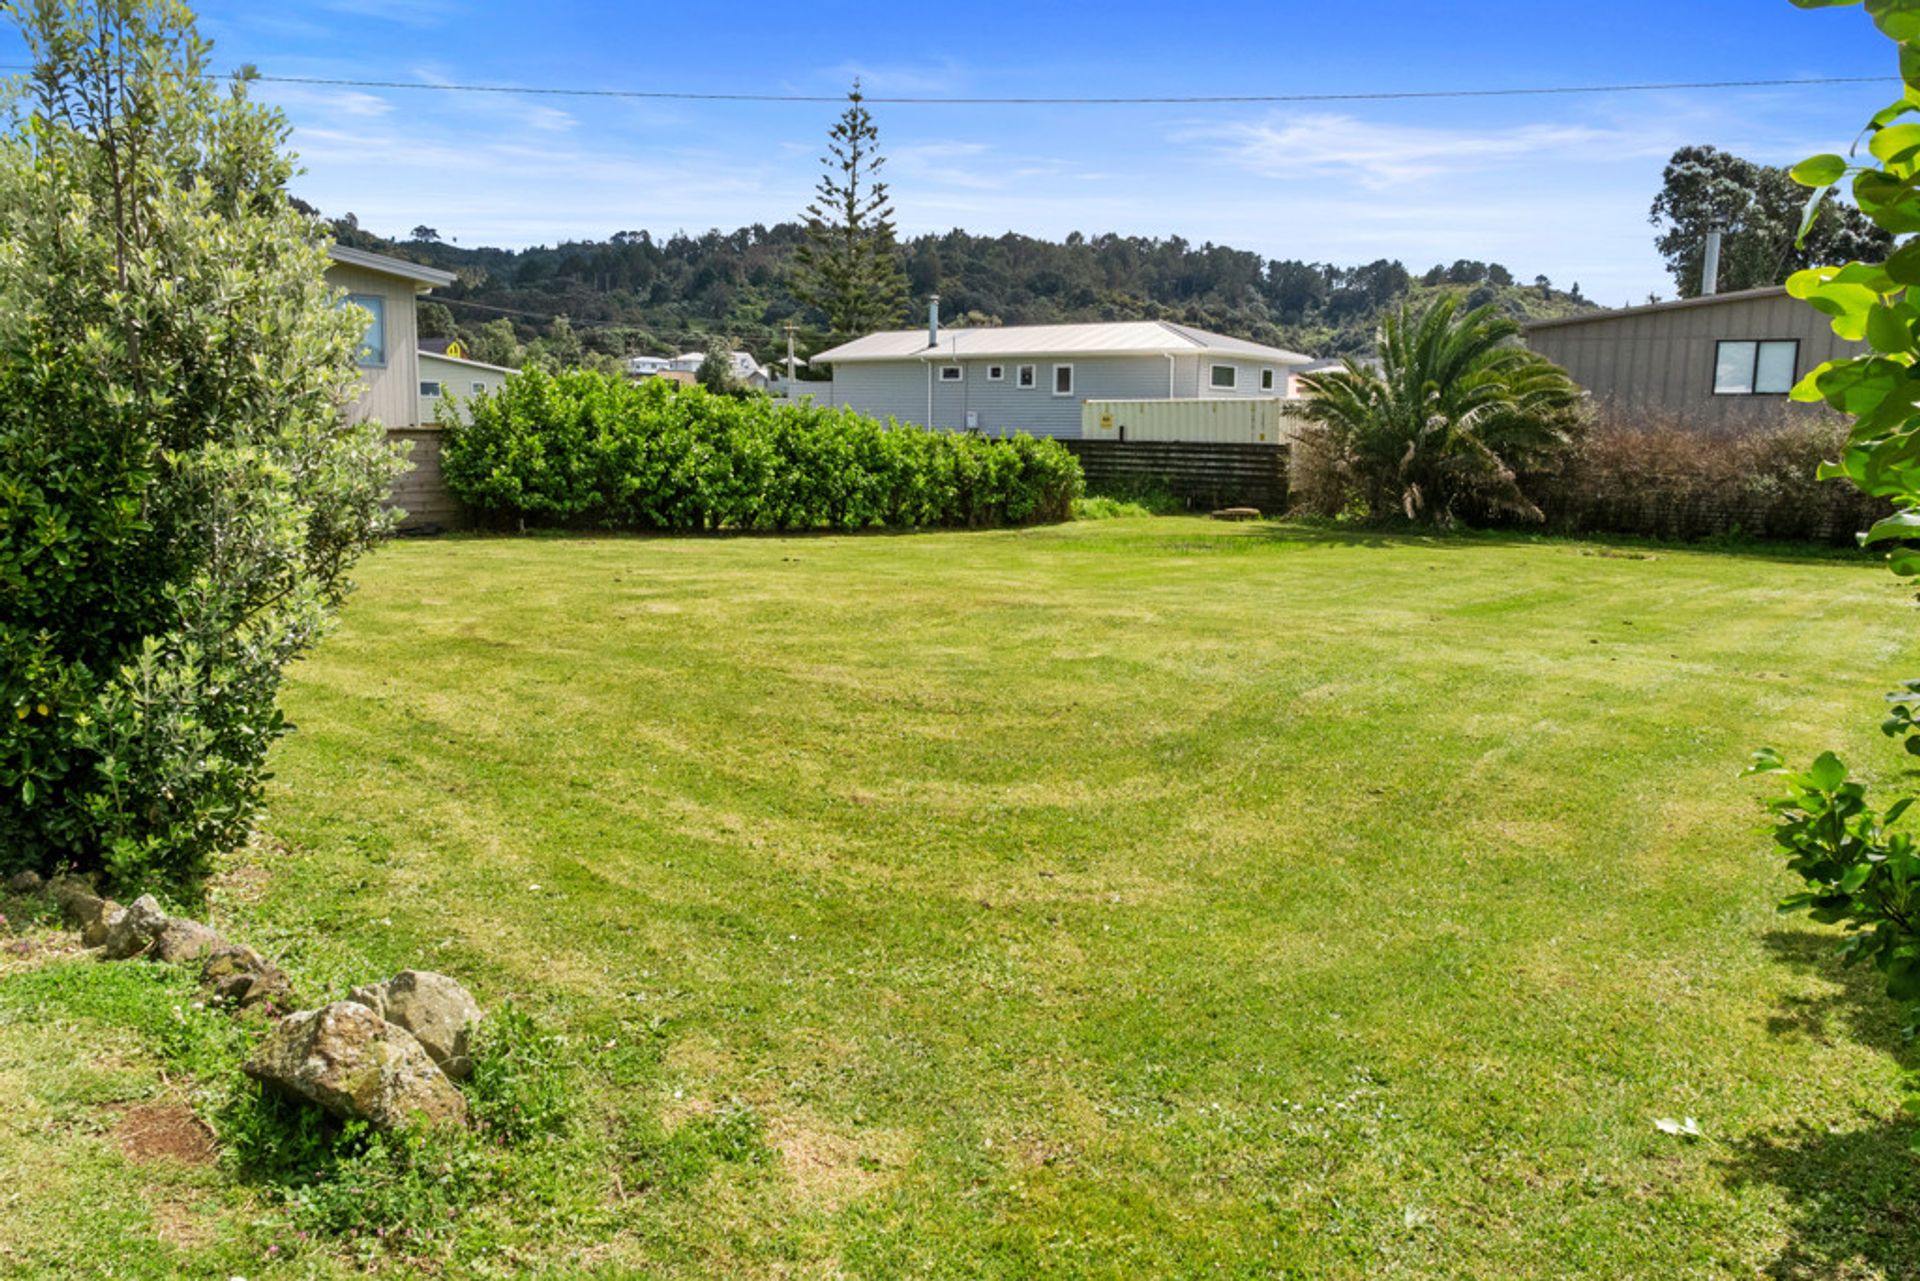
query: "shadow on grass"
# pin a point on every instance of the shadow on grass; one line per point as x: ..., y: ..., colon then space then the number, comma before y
x: 1853, y: 1191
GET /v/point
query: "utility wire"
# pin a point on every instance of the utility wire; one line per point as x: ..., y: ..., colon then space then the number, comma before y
x: 1405, y: 95
x: 1037, y: 101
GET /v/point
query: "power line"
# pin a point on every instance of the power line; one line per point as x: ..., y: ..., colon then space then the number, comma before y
x: 1040, y: 101
x: 1032, y: 100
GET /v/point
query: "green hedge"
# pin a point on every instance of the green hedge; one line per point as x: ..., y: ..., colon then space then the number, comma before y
x: 589, y: 450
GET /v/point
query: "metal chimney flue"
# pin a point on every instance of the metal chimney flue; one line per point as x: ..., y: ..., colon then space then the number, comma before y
x: 933, y: 320
x: 1710, y: 264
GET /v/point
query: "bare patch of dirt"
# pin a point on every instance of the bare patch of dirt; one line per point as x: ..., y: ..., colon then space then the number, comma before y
x: 180, y: 1225
x: 164, y: 1132
x: 828, y: 1168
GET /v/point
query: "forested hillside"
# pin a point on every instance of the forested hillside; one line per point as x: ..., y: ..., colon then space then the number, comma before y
x: 634, y: 294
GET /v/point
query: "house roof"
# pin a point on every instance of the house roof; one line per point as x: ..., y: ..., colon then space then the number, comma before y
x: 744, y: 364
x: 1122, y: 338
x: 1614, y: 313
x: 387, y: 266
x: 462, y: 360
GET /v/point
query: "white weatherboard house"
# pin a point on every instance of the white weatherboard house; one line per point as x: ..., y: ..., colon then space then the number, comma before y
x: 1034, y: 378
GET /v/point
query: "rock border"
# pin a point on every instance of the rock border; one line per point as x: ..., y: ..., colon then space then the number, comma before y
x: 388, y: 1054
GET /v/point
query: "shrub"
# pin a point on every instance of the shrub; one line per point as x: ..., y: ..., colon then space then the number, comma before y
x: 1664, y: 480
x: 590, y: 450
x: 181, y: 496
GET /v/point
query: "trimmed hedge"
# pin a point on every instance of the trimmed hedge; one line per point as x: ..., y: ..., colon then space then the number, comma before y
x: 589, y: 450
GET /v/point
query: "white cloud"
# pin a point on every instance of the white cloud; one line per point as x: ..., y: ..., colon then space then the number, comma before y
x: 1381, y: 155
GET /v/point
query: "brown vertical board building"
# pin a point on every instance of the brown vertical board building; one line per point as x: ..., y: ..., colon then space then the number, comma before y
x: 1720, y: 363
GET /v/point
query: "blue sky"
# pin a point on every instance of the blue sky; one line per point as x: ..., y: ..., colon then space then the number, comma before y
x: 1546, y: 185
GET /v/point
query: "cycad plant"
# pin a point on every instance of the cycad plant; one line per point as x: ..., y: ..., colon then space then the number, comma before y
x: 1455, y: 409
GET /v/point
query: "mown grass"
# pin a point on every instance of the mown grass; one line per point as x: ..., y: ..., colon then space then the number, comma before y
x: 1148, y: 897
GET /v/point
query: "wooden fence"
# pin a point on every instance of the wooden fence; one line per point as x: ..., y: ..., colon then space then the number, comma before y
x: 1203, y: 474
x: 422, y: 492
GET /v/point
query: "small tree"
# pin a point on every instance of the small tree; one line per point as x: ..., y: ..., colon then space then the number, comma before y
x: 849, y: 267
x: 496, y: 343
x: 181, y: 491
x: 1455, y: 409
x: 1757, y: 208
x: 716, y: 372
x: 1859, y: 872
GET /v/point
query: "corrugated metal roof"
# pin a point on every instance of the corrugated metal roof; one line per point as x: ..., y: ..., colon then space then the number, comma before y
x: 1120, y: 338
x: 1672, y: 304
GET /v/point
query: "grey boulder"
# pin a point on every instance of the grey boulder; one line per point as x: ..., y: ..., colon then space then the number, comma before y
x: 437, y: 1010
x: 350, y: 1061
x: 24, y: 882
x: 181, y: 940
x: 134, y: 928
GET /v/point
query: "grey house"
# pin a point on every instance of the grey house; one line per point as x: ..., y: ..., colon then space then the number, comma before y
x: 1033, y: 378
x: 1717, y: 363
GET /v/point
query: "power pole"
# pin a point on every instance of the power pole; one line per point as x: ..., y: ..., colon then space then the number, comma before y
x: 789, y: 328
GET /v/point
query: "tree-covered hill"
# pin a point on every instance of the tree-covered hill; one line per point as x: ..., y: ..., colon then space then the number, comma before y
x: 634, y: 294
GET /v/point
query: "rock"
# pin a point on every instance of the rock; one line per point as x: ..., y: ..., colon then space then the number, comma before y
x: 1237, y: 513
x: 90, y: 915
x: 244, y: 978
x: 437, y: 1010
x: 24, y: 882
x: 133, y: 930
x: 181, y: 940
x: 82, y: 909
x: 356, y: 1065
x: 67, y: 885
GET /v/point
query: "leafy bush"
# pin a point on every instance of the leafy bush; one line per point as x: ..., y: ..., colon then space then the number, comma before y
x: 181, y: 496
x: 1859, y: 872
x: 589, y: 450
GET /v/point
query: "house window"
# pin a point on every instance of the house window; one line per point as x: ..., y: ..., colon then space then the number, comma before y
x: 1227, y: 376
x: 1026, y: 376
x: 1765, y: 368
x: 478, y: 388
x: 1266, y: 380
x: 950, y: 373
x: 1063, y: 380
x: 429, y: 388
x: 373, y: 347
x: 996, y: 373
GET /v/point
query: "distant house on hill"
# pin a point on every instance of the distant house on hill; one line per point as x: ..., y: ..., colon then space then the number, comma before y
x: 1717, y: 363
x: 682, y: 368
x: 1034, y: 378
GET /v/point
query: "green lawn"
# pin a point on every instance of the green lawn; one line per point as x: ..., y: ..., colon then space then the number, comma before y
x: 1135, y: 898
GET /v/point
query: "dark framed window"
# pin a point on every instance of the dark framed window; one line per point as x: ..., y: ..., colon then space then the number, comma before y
x: 1224, y: 376
x: 995, y: 373
x: 951, y: 373
x: 1063, y: 380
x: 1755, y: 367
x: 1027, y: 377
x: 429, y: 388
x: 1266, y: 380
